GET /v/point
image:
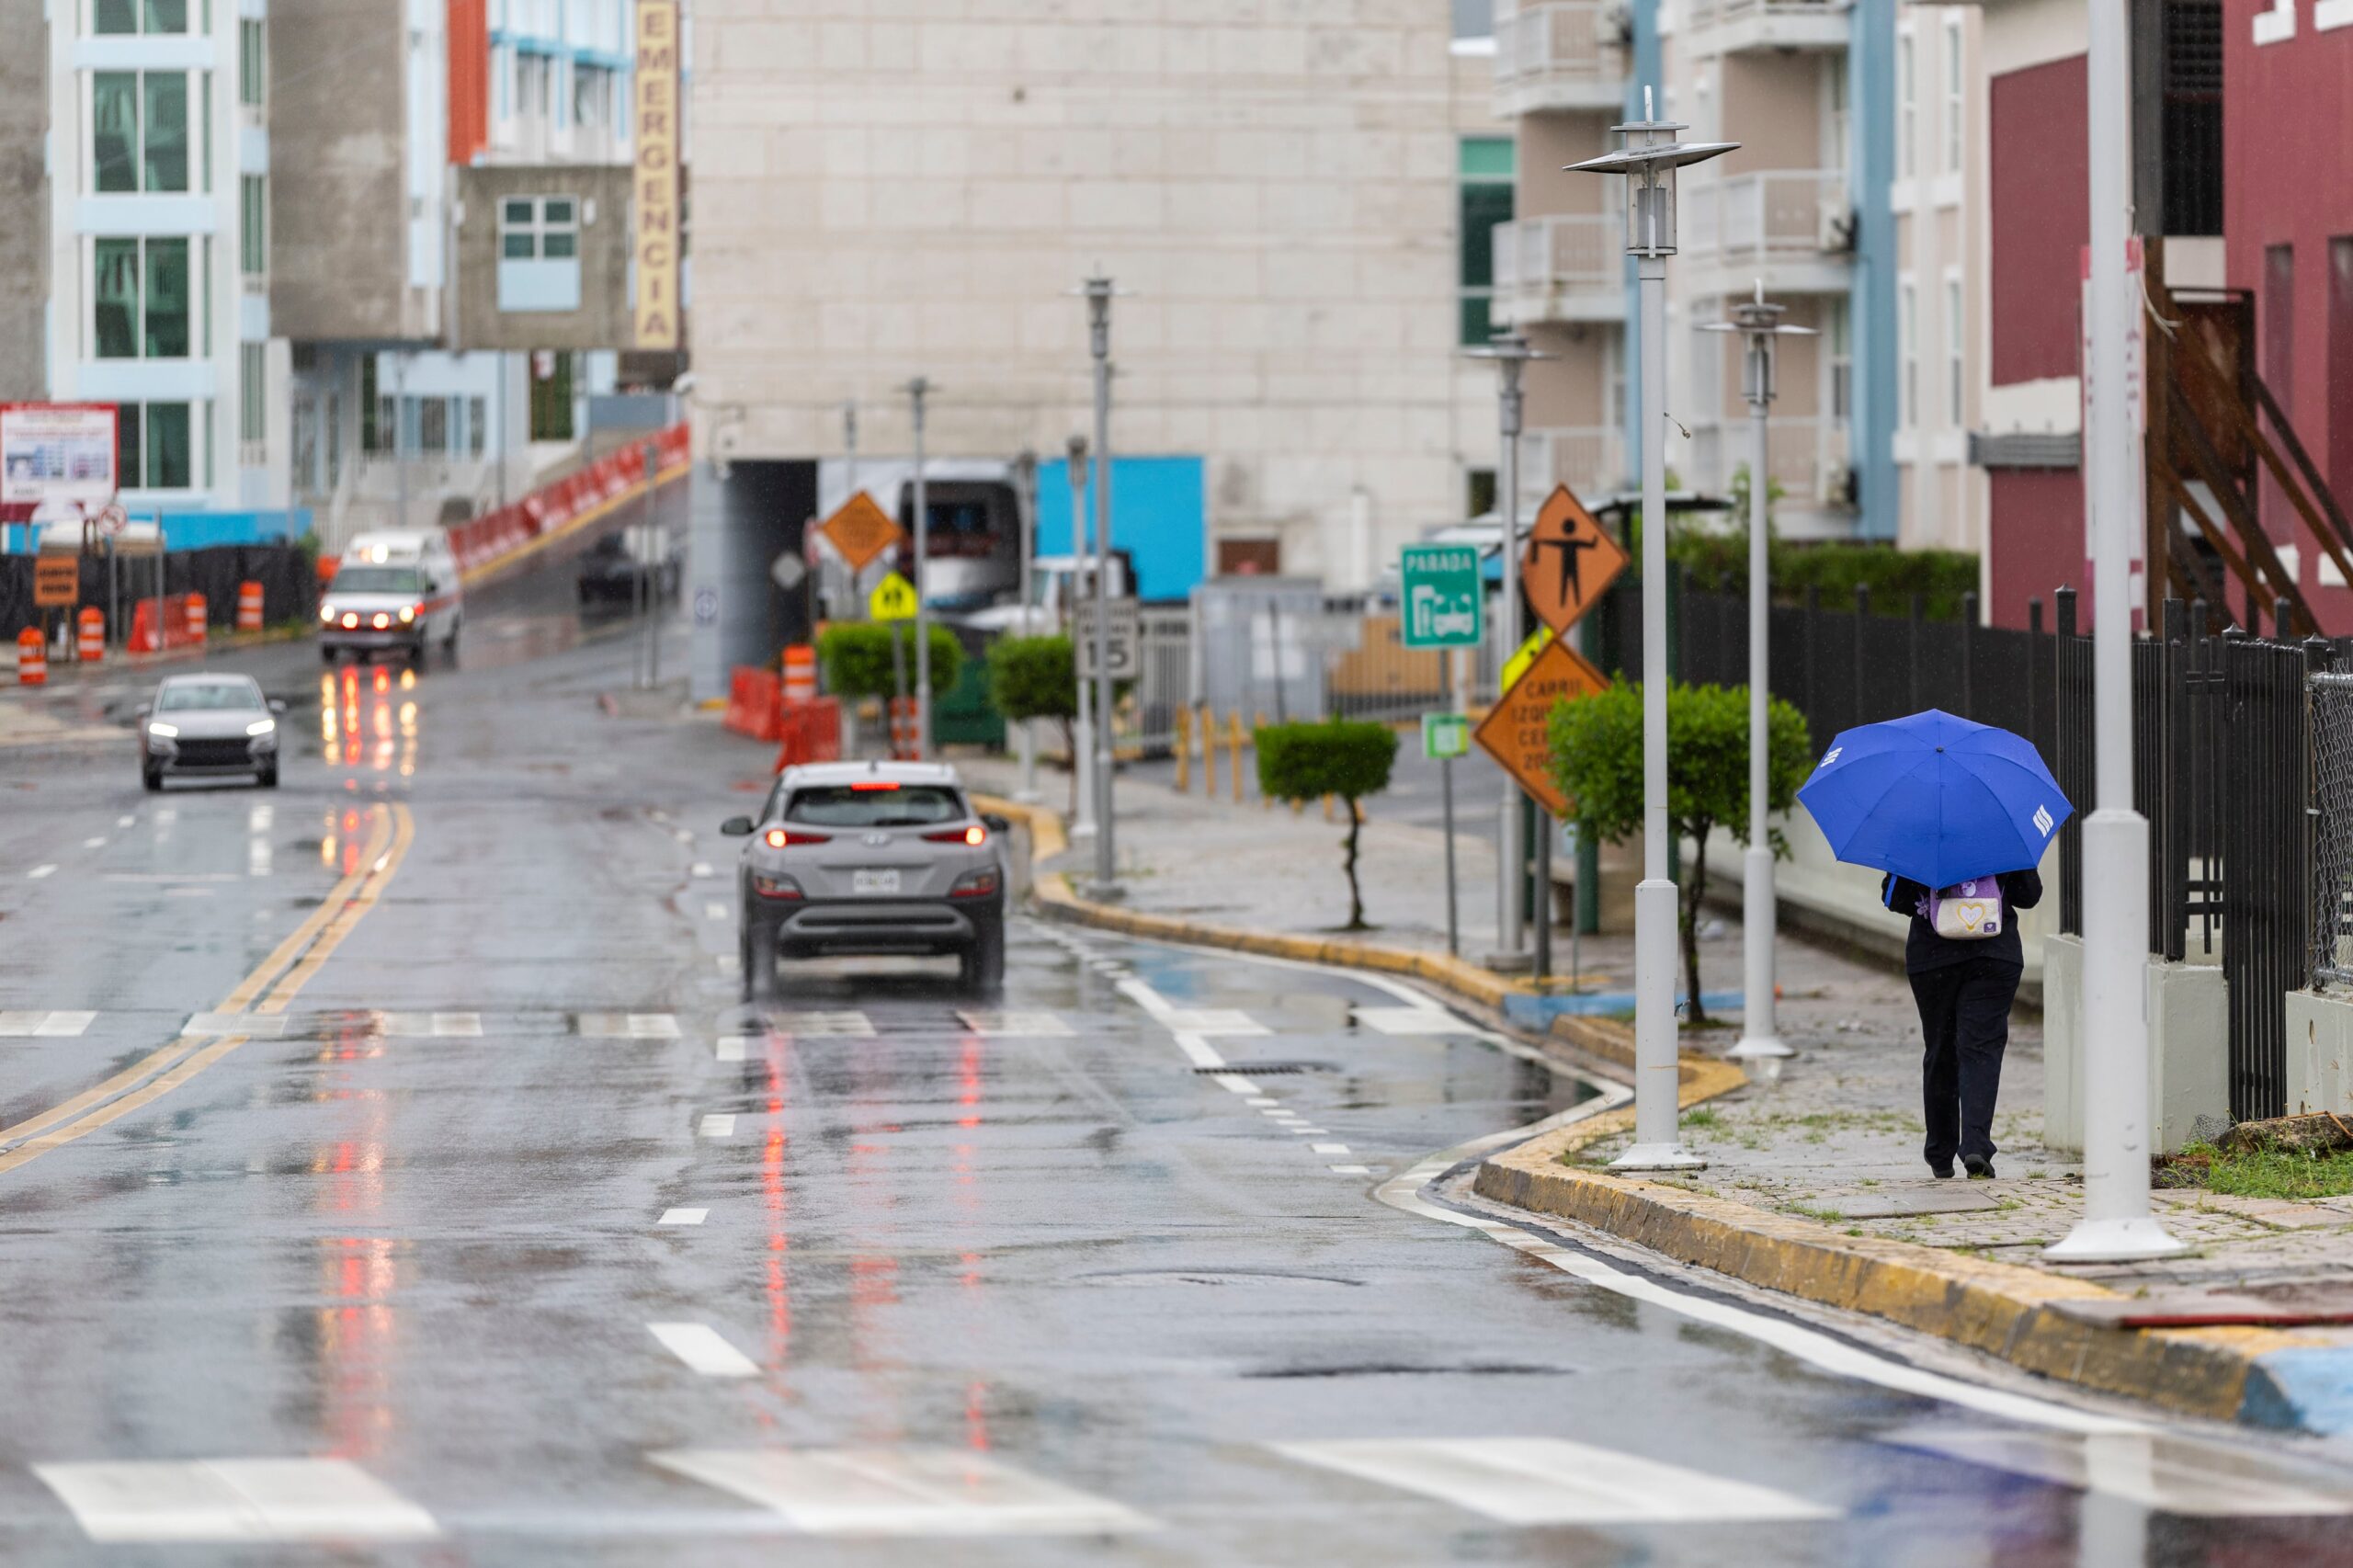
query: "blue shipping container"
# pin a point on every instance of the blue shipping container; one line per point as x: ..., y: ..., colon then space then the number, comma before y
x: 1159, y: 513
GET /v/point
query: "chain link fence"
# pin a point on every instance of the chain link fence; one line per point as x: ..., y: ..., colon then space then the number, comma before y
x: 2332, y: 846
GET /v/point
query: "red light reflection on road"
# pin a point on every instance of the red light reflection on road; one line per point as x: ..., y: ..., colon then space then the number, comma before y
x: 773, y: 1197
x: 359, y: 1274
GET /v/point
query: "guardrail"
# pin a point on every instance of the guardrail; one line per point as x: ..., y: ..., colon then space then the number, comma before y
x: 492, y: 539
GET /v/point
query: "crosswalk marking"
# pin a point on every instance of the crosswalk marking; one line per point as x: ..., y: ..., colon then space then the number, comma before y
x: 990, y: 1025
x: 718, y: 1125
x: 1549, y: 1481
x: 731, y: 1049
x: 1213, y: 1020
x: 45, y: 1025
x: 627, y: 1026
x: 235, y: 1500
x: 2157, y: 1471
x: 258, y: 1026
x: 901, y: 1492
x: 1412, y: 1021
x: 1328, y: 1148
x: 845, y: 1024
x: 683, y: 1216
x: 38, y: 872
x: 700, y: 1347
x: 1233, y: 1082
x: 438, y: 1026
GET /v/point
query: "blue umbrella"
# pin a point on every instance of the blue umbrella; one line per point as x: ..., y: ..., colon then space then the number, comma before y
x: 1935, y: 798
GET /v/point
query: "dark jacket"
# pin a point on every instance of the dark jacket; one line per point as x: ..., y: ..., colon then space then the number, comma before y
x: 1924, y: 950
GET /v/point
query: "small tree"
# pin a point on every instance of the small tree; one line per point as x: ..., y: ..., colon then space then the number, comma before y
x: 1597, y: 762
x: 1340, y: 756
x: 856, y: 657
x: 1037, y: 677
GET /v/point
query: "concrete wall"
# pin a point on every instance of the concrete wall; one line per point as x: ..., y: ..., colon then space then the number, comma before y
x: 24, y: 196
x: 340, y: 236
x: 878, y: 196
x: 603, y: 320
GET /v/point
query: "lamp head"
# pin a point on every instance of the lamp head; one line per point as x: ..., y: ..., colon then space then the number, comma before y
x: 1648, y: 160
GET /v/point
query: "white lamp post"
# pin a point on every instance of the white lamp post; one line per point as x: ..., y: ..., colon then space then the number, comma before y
x: 2117, y: 1225
x: 1759, y: 325
x: 1649, y: 160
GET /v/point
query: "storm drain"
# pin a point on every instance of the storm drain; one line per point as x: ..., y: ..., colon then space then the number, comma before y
x: 1265, y: 1069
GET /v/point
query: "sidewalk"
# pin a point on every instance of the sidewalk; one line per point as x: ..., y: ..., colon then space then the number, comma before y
x: 1815, y: 1184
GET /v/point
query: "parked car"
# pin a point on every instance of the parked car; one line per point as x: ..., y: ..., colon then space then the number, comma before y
x: 397, y: 592
x: 207, y: 726
x: 613, y: 569
x: 867, y: 857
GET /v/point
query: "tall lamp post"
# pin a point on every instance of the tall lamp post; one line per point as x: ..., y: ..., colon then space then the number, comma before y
x: 918, y: 391
x: 1648, y: 160
x: 1025, y: 473
x: 1098, y: 291
x: 1081, y: 761
x: 2117, y: 1225
x: 1511, y: 352
x: 1759, y: 325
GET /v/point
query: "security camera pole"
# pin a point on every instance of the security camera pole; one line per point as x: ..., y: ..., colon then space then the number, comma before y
x: 1649, y: 160
x: 1758, y: 324
x: 2117, y: 1225
x: 1098, y: 329
x: 1511, y: 352
x: 918, y: 390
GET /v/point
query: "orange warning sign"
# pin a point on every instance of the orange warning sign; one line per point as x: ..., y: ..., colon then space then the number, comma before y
x: 1571, y: 561
x: 1514, y: 732
x: 862, y: 530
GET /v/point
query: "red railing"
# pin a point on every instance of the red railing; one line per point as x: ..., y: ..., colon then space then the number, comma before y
x: 492, y: 537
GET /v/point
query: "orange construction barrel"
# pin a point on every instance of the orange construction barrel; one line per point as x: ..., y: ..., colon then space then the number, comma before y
x: 196, y: 618
x: 249, y: 606
x: 799, y: 672
x: 91, y: 647
x: 32, y: 657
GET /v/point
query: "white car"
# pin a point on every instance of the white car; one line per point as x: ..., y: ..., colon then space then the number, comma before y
x: 206, y: 726
x: 392, y: 591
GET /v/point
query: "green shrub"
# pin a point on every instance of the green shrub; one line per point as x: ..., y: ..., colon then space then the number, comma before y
x: 857, y: 658
x: 1597, y: 762
x: 1034, y: 677
x: 1339, y: 757
x: 1718, y: 564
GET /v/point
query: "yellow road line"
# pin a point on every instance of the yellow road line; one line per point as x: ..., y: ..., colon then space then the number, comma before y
x: 324, y: 931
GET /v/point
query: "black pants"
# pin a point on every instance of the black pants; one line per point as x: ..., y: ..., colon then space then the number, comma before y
x: 1965, y: 1018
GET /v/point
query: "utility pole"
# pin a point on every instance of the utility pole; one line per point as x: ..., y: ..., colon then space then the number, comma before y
x: 1081, y: 760
x: 1511, y: 352
x: 2117, y: 1225
x: 400, y: 438
x: 1759, y: 325
x: 1649, y: 160
x: 1025, y: 473
x: 918, y: 390
x: 1099, y: 327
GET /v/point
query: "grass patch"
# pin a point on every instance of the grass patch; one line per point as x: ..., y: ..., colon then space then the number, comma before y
x: 1704, y: 1117
x: 2270, y: 1171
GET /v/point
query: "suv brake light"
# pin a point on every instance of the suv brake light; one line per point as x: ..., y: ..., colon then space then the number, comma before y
x: 976, y: 834
x: 784, y: 838
x: 975, y: 884
x: 775, y: 887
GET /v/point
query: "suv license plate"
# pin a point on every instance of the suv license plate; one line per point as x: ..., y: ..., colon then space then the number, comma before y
x: 873, y: 882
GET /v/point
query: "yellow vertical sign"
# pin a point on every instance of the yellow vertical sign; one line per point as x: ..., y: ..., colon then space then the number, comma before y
x: 654, y: 206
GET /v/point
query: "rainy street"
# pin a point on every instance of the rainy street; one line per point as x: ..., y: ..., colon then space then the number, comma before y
x: 393, y: 1160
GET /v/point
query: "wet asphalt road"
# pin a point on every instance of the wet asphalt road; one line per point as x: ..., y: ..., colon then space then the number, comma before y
x: 483, y: 1197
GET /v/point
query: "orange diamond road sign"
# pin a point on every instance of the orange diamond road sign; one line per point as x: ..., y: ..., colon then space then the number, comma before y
x: 1571, y: 561
x: 1514, y: 733
x: 862, y: 530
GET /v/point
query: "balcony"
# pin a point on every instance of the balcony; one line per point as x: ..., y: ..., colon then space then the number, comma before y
x: 1589, y: 459
x: 1565, y: 267
x: 1735, y: 26
x: 1560, y: 54
x: 1792, y: 227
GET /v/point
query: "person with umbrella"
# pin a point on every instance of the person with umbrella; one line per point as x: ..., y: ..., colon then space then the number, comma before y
x: 1958, y: 815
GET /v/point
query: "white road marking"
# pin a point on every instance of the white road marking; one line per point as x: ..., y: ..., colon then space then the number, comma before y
x: 1412, y: 1020
x: 440, y: 1026
x: 1350, y: 1170
x: 2160, y: 1472
x: 1328, y: 1148
x: 125, y: 822
x: 1262, y: 1101
x: 731, y: 1049
x: 716, y: 911
x: 718, y: 1125
x: 1303, y: 1132
x: 989, y: 1026
x: 901, y: 1492
x: 682, y: 836
x: 1235, y: 1082
x: 846, y: 1024
x: 1214, y: 1020
x: 38, y: 872
x: 223, y: 1500
x: 683, y: 1216
x: 45, y: 1025
x: 1549, y: 1481
x: 98, y: 843
x: 701, y: 1347
x: 628, y: 1026
x: 702, y: 869
x: 728, y: 963
x: 266, y: 1026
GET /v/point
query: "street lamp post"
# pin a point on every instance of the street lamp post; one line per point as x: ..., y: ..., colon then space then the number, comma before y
x: 1648, y: 160
x: 1081, y: 760
x: 917, y: 390
x: 1025, y: 471
x: 1759, y: 325
x: 2117, y: 1225
x: 1511, y: 352
x: 1098, y: 332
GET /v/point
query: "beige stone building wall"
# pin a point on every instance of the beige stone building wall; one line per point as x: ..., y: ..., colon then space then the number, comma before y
x: 882, y: 192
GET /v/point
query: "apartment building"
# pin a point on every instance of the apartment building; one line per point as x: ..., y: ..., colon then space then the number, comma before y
x: 1279, y: 193
x: 137, y: 270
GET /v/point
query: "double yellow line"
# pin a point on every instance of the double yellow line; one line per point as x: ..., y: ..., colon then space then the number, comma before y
x: 290, y: 965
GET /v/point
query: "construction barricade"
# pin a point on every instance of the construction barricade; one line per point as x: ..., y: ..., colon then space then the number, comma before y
x: 91, y: 638
x: 196, y: 612
x: 813, y: 733
x: 904, y: 729
x: 799, y: 672
x: 249, y: 603
x: 183, y: 624
x: 32, y: 657
x: 755, y: 703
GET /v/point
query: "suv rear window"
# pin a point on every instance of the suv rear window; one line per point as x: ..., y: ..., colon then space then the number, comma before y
x: 899, y: 805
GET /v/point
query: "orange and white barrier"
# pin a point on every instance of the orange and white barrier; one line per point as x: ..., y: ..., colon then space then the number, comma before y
x: 32, y: 657
x: 91, y: 647
x: 801, y: 673
x: 196, y: 629
x: 249, y: 606
x: 904, y: 729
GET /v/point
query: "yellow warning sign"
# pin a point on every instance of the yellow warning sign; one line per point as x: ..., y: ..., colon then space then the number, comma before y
x: 1516, y: 665
x: 893, y: 599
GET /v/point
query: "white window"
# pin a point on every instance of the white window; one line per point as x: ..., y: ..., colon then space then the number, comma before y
x: 1954, y: 103
x: 1907, y: 328
x: 1955, y: 335
x: 139, y: 15
x: 1907, y: 107
x: 538, y: 228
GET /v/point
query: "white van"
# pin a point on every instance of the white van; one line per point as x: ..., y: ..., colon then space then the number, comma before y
x: 397, y: 591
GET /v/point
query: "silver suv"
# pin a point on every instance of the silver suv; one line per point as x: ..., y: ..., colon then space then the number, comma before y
x: 866, y: 857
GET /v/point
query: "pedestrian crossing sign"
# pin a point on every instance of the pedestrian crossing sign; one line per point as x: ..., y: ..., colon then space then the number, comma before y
x: 893, y: 599
x: 1516, y: 665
